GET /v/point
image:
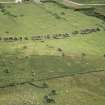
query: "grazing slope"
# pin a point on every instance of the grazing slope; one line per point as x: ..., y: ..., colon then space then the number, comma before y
x: 42, y: 19
x: 69, y: 70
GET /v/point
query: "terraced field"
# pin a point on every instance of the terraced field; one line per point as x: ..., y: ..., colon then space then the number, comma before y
x: 69, y: 70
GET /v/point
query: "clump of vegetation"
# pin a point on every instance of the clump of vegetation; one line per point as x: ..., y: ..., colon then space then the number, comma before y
x: 21, y: 15
x: 6, y: 71
x: 59, y: 49
x: 45, y: 85
x: 53, y: 92
x: 25, y: 47
x: 63, y: 54
x: 49, y: 99
x: 62, y: 13
x: 83, y: 54
x: 7, y: 32
x: 56, y: 16
x: 25, y: 38
x: 75, y: 32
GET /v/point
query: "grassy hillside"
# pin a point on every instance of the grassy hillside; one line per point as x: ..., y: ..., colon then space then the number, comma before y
x: 19, y: 64
x: 43, y: 20
x: 69, y: 70
x: 81, y: 89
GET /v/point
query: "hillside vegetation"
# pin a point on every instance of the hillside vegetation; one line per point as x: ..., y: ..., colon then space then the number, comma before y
x: 69, y: 70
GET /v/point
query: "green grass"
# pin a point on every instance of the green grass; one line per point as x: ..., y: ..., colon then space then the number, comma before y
x: 31, y: 61
x: 81, y: 89
x: 38, y: 61
x: 28, y: 22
